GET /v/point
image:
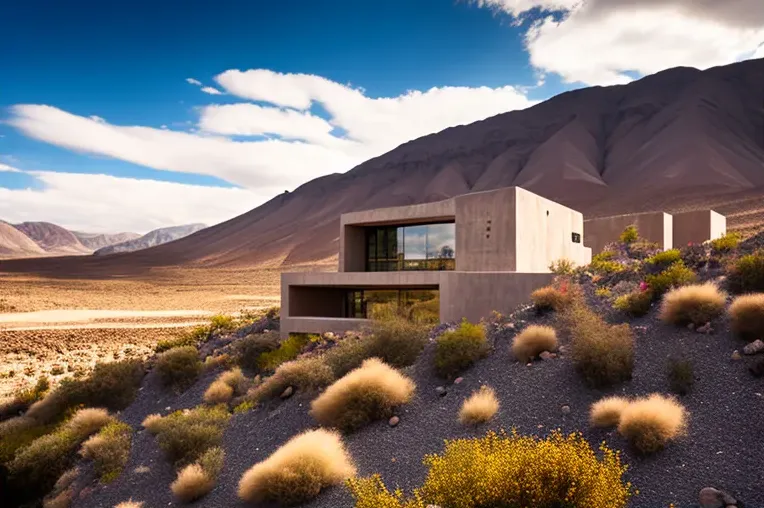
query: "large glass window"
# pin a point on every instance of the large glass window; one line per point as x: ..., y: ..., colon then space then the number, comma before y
x: 418, y: 247
x: 421, y: 305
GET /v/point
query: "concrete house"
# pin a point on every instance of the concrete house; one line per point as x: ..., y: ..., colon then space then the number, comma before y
x: 468, y: 255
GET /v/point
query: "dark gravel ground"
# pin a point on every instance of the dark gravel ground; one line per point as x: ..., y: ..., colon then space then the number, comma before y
x: 724, y: 448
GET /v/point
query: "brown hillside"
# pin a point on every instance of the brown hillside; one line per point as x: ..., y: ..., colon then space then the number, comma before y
x: 14, y: 243
x: 52, y: 238
x: 680, y: 139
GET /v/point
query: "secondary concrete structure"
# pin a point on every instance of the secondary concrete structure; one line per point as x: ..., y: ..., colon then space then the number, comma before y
x: 698, y: 227
x: 470, y: 255
x: 656, y: 227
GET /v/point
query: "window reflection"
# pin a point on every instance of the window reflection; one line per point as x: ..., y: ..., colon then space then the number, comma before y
x: 420, y: 247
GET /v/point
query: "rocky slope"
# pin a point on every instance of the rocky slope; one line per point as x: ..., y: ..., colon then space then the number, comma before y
x: 14, y: 243
x: 53, y: 238
x: 151, y: 239
x: 679, y: 139
x: 95, y: 241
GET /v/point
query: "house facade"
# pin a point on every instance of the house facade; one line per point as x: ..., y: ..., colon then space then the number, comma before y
x: 459, y: 258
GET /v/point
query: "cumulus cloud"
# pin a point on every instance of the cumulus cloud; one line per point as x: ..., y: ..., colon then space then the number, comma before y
x: 599, y: 42
x: 8, y: 169
x: 211, y: 90
x: 192, y: 81
x: 102, y: 203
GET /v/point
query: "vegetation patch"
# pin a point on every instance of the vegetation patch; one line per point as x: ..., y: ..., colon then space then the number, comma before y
x: 675, y: 275
x: 726, y: 243
x: 228, y: 384
x: 184, y: 436
x: 634, y: 304
x: 24, y: 398
x: 747, y: 316
x: 296, y: 472
x: 480, y: 407
x: 650, y: 423
x: 604, y: 263
x: 663, y: 259
x: 308, y: 374
x: 109, y: 449
x: 746, y: 274
x: 562, y: 267
x: 179, y: 367
x: 249, y: 349
x: 367, y: 393
x: 533, y: 341
x: 696, y: 304
x: 602, y: 353
x: 509, y: 470
x: 681, y: 376
x: 457, y: 350
x: 550, y: 298
x: 606, y: 412
x: 198, y: 479
x: 288, y: 350
x: 629, y: 235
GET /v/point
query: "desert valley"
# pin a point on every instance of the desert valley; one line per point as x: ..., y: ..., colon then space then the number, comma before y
x: 149, y: 370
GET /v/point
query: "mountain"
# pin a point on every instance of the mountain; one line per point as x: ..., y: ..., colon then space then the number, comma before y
x: 52, y: 238
x: 677, y: 140
x: 151, y: 239
x: 95, y: 241
x: 14, y: 243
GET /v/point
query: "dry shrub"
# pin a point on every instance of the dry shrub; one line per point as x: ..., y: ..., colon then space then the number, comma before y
x: 184, y: 436
x: 109, y: 449
x: 307, y: 374
x: 746, y: 274
x: 480, y: 407
x: 606, y: 412
x: 649, y: 423
x: 130, y: 504
x: 87, y: 421
x: 218, y: 393
x: 296, y: 472
x: 179, y: 367
x: 198, y: 479
x: 503, y: 470
x: 602, y: 353
x: 288, y: 350
x: 457, y: 350
x: 24, y: 398
x: 696, y: 304
x: 61, y: 500
x: 249, y: 349
x: 533, y: 341
x: 747, y: 316
x: 635, y: 304
x: 681, y: 376
x: 365, y: 394
x: 676, y: 275
x: 550, y: 298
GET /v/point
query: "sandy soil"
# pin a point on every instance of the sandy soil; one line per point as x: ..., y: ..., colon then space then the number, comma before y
x: 59, y: 327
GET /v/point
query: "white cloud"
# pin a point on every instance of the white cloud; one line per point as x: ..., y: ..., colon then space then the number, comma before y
x: 102, y: 203
x: 598, y: 41
x: 193, y: 81
x: 8, y: 169
x: 212, y: 91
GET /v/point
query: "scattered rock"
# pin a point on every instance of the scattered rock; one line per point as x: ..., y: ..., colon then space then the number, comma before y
x: 562, y: 349
x: 529, y: 364
x: 758, y: 369
x: 706, y: 328
x: 754, y: 347
x: 509, y: 326
x: 714, y: 498
x: 441, y: 391
x: 287, y: 393
x: 546, y: 355
x: 565, y: 409
x: 458, y: 380
x: 394, y: 421
x: 736, y: 355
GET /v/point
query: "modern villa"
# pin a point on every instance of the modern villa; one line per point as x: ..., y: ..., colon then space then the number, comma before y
x: 467, y: 256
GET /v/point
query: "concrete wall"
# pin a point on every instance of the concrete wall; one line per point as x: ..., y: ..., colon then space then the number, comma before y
x: 656, y: 227
x: 485, y: 231
x: 474, y: 295
x: 698, y: 227
x: 319, y: 325
x: 544, y: 233
x: 352, y: 249
x: 311, y: 301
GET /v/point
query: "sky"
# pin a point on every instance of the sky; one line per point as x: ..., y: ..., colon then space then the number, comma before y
x: 129, y: 116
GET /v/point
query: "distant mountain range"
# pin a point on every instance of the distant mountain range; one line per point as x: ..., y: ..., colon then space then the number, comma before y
x: 45, y: 239
x: 681, y: 139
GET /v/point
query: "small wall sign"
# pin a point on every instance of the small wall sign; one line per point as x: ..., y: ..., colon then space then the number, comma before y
x: 576, y: 238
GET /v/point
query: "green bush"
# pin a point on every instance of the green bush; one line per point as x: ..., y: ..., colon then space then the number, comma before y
x: 664, y: 259
x: 249, y: 349
x: 222, y: 323
x: 602, y: 353
x: 184, y: 436
x: 630, y: 234
x: 25, y: 398
x: 512, y: 471
x: 681, y: 376
x: 634, y: 304
x: 398, y: 342
x: 726, y: 243
x: 109, y: 450
x: 562, y: 267
x: 675, y: 275
x: 18, y: 433
x: 457, y: 350
x: 746, y: 274
x: 184, y: 339
x: 179, y: 367
x: 550, y: 298
x: 111, y: 385
x: 289, y: 349
x: 642, y: 249
x: 308, y: 374
x: 604, y: 263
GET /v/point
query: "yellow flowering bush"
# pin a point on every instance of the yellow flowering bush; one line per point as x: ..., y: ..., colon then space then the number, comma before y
x: 511, y: 471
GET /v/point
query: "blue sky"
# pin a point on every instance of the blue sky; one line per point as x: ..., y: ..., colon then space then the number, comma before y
x: 98, y: 112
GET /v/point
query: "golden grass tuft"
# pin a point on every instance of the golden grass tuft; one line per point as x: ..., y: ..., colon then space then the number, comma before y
x: 87, y: 421
x: 651, y: 422
x: 218, y: 393
x: 296, y: 472
x: 606, y: 412
x: 307, y: 374
x: 697, y: 304
x: 363, y: 395
x: 192, y: 483
x: 550, y: 298
x: 480, y: 407
x: 747, y: 316
x: 533, y: 341
x: 130, y: 504
x: 152, y: 422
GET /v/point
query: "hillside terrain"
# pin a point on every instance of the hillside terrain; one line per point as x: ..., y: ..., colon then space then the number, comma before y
x: 53, y: 238
x: 680, y: 139
x: 151, y: 239
x: 95, y: 241
x: 14, y: 243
